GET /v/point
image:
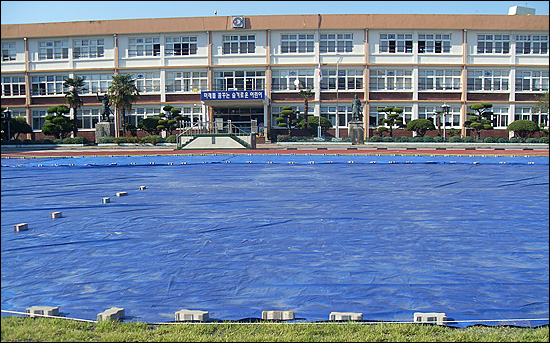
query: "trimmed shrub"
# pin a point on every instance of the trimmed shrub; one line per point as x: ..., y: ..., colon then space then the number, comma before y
x: 468, y: 139
x: 428, y: 139
x: 532, y: 140
x: 403, y: 139
x: 75, y: 140
x: 544, y: 140
x: 107, y: 140
x: 153, y: 139
x: 387, y: 139
x: 456, y: 139
x: 58, y: 141
x: 438, y: 139
x: 171, y: 139
x: 502, y: 140
x: 489, y: 140
x: 375, y: 139
x: 418, y: 139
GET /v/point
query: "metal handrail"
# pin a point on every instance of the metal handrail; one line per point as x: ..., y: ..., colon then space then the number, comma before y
x: 216, y: 127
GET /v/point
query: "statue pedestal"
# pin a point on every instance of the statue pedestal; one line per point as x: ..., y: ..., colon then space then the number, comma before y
x: 356, y: 132
x: 104, y: 129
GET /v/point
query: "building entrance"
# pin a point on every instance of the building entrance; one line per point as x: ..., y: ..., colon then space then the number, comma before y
x: 240, y: 116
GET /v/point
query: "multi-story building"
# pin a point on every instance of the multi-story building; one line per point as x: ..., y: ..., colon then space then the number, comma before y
x: 244, y: 68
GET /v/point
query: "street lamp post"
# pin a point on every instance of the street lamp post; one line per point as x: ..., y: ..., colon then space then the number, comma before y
x: 337, y: 88
x: 445, y: 112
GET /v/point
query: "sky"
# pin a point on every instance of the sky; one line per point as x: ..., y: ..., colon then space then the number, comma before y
x: 25, y: 12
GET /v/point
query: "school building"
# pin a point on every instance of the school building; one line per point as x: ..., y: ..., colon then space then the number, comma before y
x: 244, y: 68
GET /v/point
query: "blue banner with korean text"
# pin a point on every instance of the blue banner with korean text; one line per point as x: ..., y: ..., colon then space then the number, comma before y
x: 232, y: 95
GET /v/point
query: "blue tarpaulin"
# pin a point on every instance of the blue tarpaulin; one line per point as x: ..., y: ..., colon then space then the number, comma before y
x: 236, y: 235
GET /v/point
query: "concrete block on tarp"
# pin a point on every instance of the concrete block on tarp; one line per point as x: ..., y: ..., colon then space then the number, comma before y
x: 193, y: 315
x: 42, y: 310
x: 430, y: 318
x: 345, y: 316
x: 21, y: 227
x: 277, y: 315
x: 114, y: 313
x: 55, y: 215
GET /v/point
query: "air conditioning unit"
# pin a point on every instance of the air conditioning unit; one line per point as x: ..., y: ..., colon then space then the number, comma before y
x: 238, y: 22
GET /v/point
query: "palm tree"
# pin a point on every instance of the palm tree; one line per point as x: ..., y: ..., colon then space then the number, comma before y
x: 122, y: 92
x: 74, y: 87
x: 306, y: 93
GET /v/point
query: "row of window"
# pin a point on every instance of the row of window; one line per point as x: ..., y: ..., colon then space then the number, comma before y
x: 88, y: 117
x: 284, y: 80
x: 439, y: 43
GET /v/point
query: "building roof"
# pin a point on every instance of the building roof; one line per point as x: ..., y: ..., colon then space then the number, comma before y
x: 280, y: 22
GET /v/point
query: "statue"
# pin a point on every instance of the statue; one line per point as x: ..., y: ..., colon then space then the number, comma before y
x: 105, y: 109
x: 356, y: 110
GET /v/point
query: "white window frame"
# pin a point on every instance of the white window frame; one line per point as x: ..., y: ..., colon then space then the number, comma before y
x: 378, y: 116
x: 38, y: 118
x: 53, y: 50
x: 148, y: 82
x: 12, y: 85
x: 434, y: 43
x: 144, y: 46
x: 88, y: 48
x: 140, y: 112
x: 239, y: 44
x: 532, y: 44
x: 489, y: 43
x: 87, y: 117
x: 186, y: 81
x: 250, y: 80
x: 292, y: 43
x: 347, y: 80
x: 48, y: 85
x: 391, y: 43
x: 96, y: 83
x: 283, y: 80
x: 501, y: 117
x: 527, y: 113
x: 336, y: 43
x: 487, y: 80
x: 439, y: 80
x: 181, y: 45
x: 390, y: 79
x: 9, y: 51
x: 536, y: 80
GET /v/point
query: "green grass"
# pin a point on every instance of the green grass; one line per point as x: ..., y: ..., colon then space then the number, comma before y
x: 20, y: 329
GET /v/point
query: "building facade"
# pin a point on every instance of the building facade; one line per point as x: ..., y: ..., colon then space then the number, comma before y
x: 244, y: 68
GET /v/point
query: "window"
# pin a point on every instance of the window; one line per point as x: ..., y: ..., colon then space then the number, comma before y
x: 344, y: 114
x: 392, y: 43
x: 191, y: 114
x: 488, y: 80
x: 96, y: 83
x: 383, y: 79
x: 452, y: 119
x: 148, y: 82
x: 186, y: 81
x: 8, y: 51
x: 376, y: 118
x: 531, y: 81
x: 439, y: 80
x: 297, y: 43
x: 13, y: 85
x: 239, y: 44
x: 434, y: 43
x: 531, y: 44
x: 180, y: 46
x: 38, y: 118
x: 48, y: 85
x: 88, y: 48
x: 500, y: 117
x: 87, y: 118
x: 282, y: 80
x: 527, y: 113
x: 139, y: 113
x: 493, y: 44
x: 53, y: 50
x: 148, y: 46
x: 336, y: 42
x: 351, y: 79
x: 239, y: 80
